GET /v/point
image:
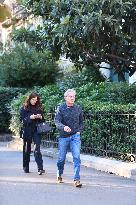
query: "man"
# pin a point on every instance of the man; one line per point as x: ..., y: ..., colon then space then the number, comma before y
x: 69, y: 121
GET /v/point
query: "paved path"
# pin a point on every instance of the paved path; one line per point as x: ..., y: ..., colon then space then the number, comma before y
x: 18, y: 188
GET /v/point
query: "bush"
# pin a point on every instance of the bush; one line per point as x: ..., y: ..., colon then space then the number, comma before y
x: 109, y: 134
x: 25, y: 67
x: 6, y: 96
x: 114, y: 93
x: 103, y: 97
x: 76, y: 80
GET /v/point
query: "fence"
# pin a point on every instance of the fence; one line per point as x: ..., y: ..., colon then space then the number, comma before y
x: 105, y: 134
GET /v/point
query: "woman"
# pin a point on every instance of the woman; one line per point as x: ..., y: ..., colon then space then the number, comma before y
x: 30, y: 114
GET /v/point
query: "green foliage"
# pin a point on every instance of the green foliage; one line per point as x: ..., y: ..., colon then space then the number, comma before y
x: 15, y: 105
x: 24, y: 67
x: 102, y: 97
x: 51, y: 96
x: 72, y: 80
x: 90, y: 32
x: 6, y: 96
x: 108, y: 94
x: 109, y: 134
x: 32, y: 38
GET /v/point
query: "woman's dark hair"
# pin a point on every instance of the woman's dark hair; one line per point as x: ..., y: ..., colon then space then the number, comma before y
x: 38, y: 104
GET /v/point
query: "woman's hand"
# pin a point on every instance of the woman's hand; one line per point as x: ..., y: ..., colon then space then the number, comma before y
x: 39, y: 116
x: 32, y: 117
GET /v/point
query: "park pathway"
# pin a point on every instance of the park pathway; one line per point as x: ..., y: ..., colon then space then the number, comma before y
x: 99, y: 188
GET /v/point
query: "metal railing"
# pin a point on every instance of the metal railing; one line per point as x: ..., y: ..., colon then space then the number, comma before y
x: 105, y: 134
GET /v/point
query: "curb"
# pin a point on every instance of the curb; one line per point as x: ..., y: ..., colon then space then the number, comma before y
x: 119, y: 168
x: 113, y: 166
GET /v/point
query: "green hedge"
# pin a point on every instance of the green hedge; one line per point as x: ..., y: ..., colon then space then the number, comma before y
x: 102, y: 97
x: 109, y: 134
x: 6, y: 96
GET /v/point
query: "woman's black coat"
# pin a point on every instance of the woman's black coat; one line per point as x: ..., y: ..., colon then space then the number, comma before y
x: 29, y: 127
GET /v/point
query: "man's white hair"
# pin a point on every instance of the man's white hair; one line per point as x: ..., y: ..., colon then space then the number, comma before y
x: 69, y: 91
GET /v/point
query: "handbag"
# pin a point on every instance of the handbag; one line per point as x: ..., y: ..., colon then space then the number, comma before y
x: 43, y: 128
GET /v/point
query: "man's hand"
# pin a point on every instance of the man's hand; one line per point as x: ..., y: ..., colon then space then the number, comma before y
x: 67, y: 129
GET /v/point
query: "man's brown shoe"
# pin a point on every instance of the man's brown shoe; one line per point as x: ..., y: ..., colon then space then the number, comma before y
x: 59, y: 180
x: 77, y: 184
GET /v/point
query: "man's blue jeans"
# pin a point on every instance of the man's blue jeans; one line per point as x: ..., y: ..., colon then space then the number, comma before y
x: 74, y: 143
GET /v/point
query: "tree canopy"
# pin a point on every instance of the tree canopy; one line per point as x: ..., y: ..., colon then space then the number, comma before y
x: 25, y: 67
x: 90, y: 32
